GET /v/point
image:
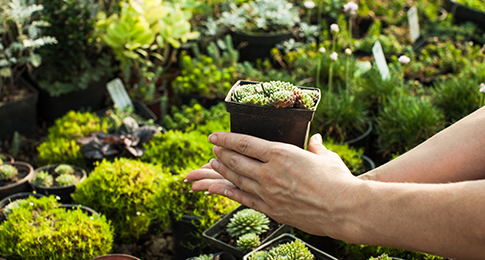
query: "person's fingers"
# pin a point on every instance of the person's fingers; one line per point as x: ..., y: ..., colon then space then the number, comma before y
x: 315, y: 145
x: 241, y: 181
x: 245, y: 198
x: 206, y: 166
x: 205, y: 184
x: 244, y: 144
x: 241, y: 164
x: 203, y: 173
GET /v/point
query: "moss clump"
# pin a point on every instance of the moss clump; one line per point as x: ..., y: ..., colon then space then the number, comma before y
x: 39, y: 229
x: 44, y: 179
x: 7, y: 171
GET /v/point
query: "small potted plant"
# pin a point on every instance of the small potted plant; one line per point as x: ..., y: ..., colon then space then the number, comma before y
x: 9, y: 203
x: 242, y: 230
x: 14, y: 178
x: 275, y: 110
x: 58, y: 179
x: 214, y: 256
x: 287, y: 246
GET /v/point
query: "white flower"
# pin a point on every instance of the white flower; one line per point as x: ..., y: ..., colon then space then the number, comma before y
x: 482, y: 87
x: 351, y: 8
x: 334, y: 56
x: 334, y: 28
x: 348, y: 52
x: 309, y: 4
x: 404, y: 59
x: 138, y: 213
x: 31, y: 203
x: 322, y: 50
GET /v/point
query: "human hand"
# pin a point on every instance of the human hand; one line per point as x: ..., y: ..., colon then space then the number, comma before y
x: 293, y: 186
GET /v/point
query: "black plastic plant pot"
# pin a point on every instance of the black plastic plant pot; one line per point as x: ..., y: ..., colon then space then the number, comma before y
x: 64, y: 192
x: 287, y: 238
x: 17, y: 196
x: 213, y: 234
x: 185, y: 230
x: 288, y: 125
x: 87, y: 210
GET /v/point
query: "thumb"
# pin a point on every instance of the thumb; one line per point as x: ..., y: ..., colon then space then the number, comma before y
x: 315, y: 145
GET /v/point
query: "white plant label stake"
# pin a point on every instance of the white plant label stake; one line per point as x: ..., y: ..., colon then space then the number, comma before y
x: 118, y: 94
x: 413, y: 23
x: 381, y: 60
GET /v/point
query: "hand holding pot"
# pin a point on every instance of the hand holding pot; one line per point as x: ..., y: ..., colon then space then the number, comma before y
x: 291, y: 185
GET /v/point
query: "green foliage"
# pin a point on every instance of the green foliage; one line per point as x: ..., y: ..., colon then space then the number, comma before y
x: 20, y: 37
x: 295, y: 250
x: 259, y: 255
x: 60, y: 150
x: 15, y: 146
x: 177, y: 149
x: 176, y: 197
x: 38, y: 229
x: 381, y: 257
x: 473, y: 4
x: 355, y: 251
x: 123, y: 191
x: 405, y: 121
x: 204, y: 257
x: 44, y: 179
x: 7, y: 171
x: 352, y: 157
x: 195, y: 115
x: 66, y: 180
x: 248, y: 242
x: 202, y: 77
x: 64, y: 169
x: 114, y: 117
x: 247, y: 221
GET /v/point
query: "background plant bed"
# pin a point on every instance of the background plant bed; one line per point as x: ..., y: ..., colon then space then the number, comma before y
x: 64, y: 192
x: 218, y: 237
x: 19, y: 183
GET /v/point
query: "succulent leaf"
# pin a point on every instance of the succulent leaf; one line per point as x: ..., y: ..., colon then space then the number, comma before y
x: 66, y: 180
x: 248, y: 242
x: 247, y: 221
x: 255, y: 99
x: 295, y: 250
x: 282, y: 99
x: 7, y: 171
x: 260, y: 255
x: 304, y: 101
x: 43, y: 179
x: 64, y: 169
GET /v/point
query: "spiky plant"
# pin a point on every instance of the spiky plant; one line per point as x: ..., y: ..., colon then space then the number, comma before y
x: 255, y: 99
x: 64, y: 169
x: 295, y: 250
x: 7, y: 171
x: 248, y: 242
x: 260, y: 255
x: 65, y: 180
x: 247, y: 221
x: 44, y: 179
x: 282, y: 99
x: 206, y: 257
x: 304, y: 100
x: 243, y: 91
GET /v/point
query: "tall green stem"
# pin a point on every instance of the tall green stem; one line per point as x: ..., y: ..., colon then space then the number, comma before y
x: 330, y: 77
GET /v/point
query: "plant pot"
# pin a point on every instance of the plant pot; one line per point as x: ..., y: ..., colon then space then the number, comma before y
x: 17, y: 196
x: 185, y: 232
x: 63, y: 192
x: 21, y: 115
x: 462, y: 14
x: 26, y: 173
x: 288, y: 125
x: 257, y: 46
x: 6, y: 157
x: 363, y: 140
x: 115, y: 257
x: 214, y: 234
x: 87, y: 210
x: 221, y: 255
x: 286, y: 238
x: 90, y: 99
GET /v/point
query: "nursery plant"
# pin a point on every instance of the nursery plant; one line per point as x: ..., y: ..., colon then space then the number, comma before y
x: 356, y: 251
x: 291, y: 250
x: 247, y: 221
x: 352, y: 157
x: 38, y: 228
x: 123, y: 191
x: 248, y: 242
x: 193, y: 115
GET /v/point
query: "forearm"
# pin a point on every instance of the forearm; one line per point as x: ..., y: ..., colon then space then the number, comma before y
x: 441, y: 219
x: 455, y: 154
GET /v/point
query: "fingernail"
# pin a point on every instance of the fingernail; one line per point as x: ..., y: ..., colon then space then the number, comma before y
x: 214, y: 164
x: 185, y: 180
x: 318, y: 138
x: 213, y: 138
x: 228, y: 193
x: 191, y: 191
x: 207, y: 192
x: 214, y: 149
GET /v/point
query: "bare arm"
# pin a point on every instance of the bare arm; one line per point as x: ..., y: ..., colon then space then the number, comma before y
x: 455, y: 154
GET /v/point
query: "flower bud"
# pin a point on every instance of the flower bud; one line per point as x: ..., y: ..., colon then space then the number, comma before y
x: 334, y: 56
x: 309, y: 4
x: 334, y: 28
x: 351, y: 8
x: 404, y: 59
x: 322, y: 50
x: 482, y: 87
x: 348, y: 52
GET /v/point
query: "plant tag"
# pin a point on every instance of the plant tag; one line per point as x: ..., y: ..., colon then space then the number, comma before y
x: 413, y: 23
x: 118, y: 93
x: 380, y: 60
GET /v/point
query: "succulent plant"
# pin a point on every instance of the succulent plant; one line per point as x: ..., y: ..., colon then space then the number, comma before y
x: 295, y: 250
x: 7, y: 171
x: 248, y: 242
x: 259, y: 255
x: 44, y: 179
x: 247, y: 221
x: 66, y: 180
x: 206, y: 257
x: 278, y: 94
x: 381, y: 257
x: 64, y: 169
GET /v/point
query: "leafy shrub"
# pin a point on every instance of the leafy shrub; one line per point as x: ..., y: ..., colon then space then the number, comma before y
x: 61, y: 150
x: 178, y: 150
x: 193, y: 115
x: 38, y: 229
x: 352, y: 157
x: 123, y: 190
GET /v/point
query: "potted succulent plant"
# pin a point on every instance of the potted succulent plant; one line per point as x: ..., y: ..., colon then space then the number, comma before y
x: 275, y: 110
x: 14, y: 178
x: 20, y: 38
x: 242, y: 230
x: 260, y: 25
x: 215, y: 256
x: 58, y: 179
x: 287, y: 246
